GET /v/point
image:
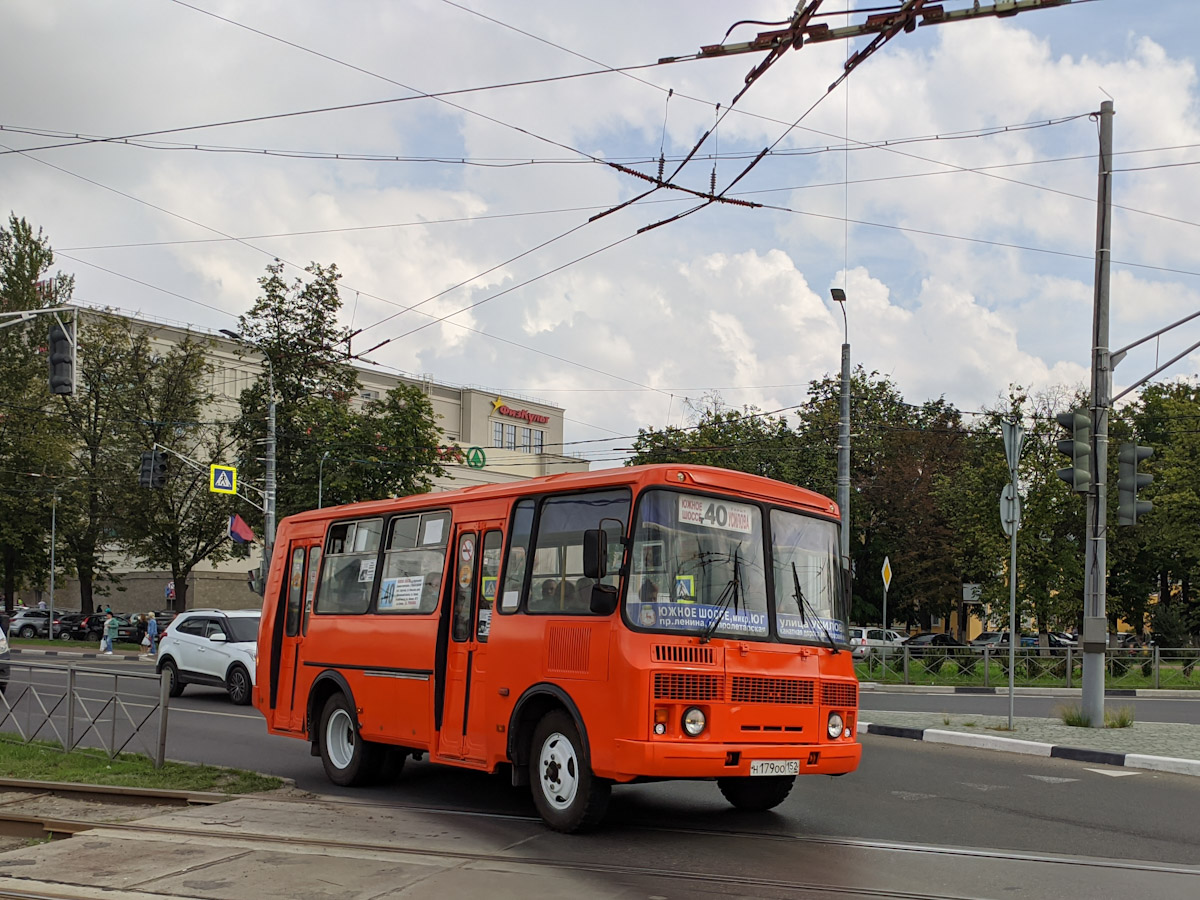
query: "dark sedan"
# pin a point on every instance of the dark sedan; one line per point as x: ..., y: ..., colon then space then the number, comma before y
x: 91, y: 628
x: 933, y: 639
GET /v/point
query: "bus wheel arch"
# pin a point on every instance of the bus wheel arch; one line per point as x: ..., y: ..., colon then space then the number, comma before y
x: 531, y: 707
x: 324, y: 686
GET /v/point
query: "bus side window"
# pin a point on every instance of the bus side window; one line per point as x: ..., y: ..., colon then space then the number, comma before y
x: 518, y: 552
x: 310, y: 588
x: 489, y: 578
x: 413, y: 562
x: 558, y: 547
x: 295, y: 593
x: 348, y: 575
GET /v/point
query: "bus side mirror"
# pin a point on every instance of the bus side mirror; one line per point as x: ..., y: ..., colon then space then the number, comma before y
x: 604, y: 599
x: 595, y: 553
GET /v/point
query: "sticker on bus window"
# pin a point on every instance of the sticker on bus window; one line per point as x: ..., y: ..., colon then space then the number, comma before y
x: 716, y: 514
x: 512, y: 599
x: 466, y: 550
x: 488, y: 588
x: 401, y: 593
x: 685, y: 588
x: 433, y: 531
x: 366, y: 570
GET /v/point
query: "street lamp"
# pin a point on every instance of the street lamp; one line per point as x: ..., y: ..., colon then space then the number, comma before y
x: 321, y: 478
x: 269, y: 467
x: 843, y: 479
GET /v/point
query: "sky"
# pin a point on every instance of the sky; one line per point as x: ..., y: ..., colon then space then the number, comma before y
x: 947, y: 185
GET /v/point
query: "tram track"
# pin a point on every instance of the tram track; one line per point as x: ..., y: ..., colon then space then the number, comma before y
x: 34, y: 824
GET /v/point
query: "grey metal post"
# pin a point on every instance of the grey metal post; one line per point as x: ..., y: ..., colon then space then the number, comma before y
x: 1070, y: 665
x: 1156, y: 664
x: 987, y: 665
x: 164, y: 697
x: 907, y: 651
x: 843, y: 477
x: 321, y: 480
x: 70, y: 709
x: 1095, y: 621
x: 53, y: 541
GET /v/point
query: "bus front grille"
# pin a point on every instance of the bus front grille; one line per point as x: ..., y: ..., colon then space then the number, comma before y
x: 787, y: 691
x: 688, y: 687
x: 839, y: 693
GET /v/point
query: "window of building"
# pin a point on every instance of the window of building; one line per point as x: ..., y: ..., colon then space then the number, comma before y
x: 497, y: 434
x: 557, y: 583
x: 526, y: 440
x: 510, y: 437
x: 348, y: 575
x: 538, y: 436
x: 413, y: 563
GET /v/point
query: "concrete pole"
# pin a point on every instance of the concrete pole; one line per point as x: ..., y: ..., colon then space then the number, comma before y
x: 1095, y: 620
x: 53, y: 541
x: 269, y: 511
x: 843, y: 477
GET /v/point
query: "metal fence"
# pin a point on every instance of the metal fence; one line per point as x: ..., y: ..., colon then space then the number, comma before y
x: 80, y: 706
x: 1151, y: 667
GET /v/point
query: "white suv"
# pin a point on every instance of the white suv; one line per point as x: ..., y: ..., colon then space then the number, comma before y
x: 214, y: 647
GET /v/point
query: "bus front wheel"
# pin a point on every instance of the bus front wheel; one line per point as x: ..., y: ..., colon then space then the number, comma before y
x: 762, y: 792
x: 567, y: 795
x: 348, y: 758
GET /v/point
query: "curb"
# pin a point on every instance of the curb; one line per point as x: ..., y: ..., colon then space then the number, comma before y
x: 73, y: 654
x: 1161, y: 693
x: 1033, y: 748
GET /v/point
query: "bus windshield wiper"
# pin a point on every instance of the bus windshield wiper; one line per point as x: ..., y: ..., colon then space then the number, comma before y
x: 730, y: 594
x: 802, y: 602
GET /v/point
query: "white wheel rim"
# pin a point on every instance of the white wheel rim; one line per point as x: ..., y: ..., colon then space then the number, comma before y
x: 558, y: 768
x: 339, y: 738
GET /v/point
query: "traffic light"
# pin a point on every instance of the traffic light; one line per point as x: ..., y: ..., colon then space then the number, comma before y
x: 158, y: 470
x: 1129, y: 482
x: 146, y: 475
x: 62, y: 360
x: 1078, y: 447
x: 153, y: 473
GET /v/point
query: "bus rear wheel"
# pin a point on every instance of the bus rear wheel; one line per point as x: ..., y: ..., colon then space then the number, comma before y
x: 757, y: 794
x: 348, y: 758
x: 568, y: 797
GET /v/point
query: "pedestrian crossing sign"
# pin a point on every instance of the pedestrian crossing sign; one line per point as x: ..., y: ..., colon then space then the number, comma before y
x: 222, y: 479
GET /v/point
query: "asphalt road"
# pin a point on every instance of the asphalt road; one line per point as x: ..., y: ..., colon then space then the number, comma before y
x: 905, y: 792
x: 1146, y: 709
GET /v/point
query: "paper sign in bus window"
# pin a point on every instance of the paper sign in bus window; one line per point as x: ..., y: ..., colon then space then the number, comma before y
x: 433, y: 531
x: 401, y: 593
x: 366, y: 570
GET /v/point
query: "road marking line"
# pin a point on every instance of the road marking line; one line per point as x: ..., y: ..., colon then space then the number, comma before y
x: 1051, y: 779
x: 1111, y: 773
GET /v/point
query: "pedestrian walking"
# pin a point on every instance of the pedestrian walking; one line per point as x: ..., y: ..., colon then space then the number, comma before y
x: 152, y: 633
x: 110, y: 632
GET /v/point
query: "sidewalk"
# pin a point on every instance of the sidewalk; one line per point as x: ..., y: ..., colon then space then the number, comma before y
x: 1157, y: 746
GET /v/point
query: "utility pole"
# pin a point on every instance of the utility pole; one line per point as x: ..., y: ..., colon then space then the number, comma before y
x: 1095, y: 620
x: 843, y: 478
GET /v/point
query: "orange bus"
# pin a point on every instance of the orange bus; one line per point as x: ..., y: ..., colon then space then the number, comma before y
x: 583, y: 630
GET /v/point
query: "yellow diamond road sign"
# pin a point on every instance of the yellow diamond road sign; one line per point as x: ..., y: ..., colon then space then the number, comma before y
x: 887, y: 574
x: 222, y: 479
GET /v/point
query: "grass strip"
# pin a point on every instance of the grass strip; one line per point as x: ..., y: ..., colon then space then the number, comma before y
x: 45, y: 761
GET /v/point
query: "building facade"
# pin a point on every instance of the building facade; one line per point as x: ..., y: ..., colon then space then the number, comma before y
x: 502, y: 438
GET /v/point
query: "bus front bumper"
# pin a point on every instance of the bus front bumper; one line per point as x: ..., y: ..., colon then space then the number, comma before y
x: 696, y: 759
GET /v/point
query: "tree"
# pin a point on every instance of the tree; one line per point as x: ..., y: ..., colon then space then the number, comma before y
x: 386, y: 448
x: 183, y: 524
x: 32, y: 448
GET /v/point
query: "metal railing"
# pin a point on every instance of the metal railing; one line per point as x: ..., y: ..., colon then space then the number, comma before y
x: 1149, y: 667
x: 78, y: 706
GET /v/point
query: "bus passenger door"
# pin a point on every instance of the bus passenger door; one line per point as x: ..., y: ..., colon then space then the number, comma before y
x: 304, y: 559
x: 477, y: 566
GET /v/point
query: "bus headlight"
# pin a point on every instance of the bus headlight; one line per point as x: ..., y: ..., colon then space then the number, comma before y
x: 835, y: 725
x: 694, y: 721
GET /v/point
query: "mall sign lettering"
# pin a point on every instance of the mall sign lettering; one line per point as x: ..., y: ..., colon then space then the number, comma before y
x: 501, y: 408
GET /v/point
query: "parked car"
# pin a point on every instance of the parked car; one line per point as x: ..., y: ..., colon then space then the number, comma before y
x: 30, y: 623
x: 213, y: 647
x: 989, y: 639
x: 933, y: 639
x: 91, y: 628
x: 65, y: 624
x: 863, y: 639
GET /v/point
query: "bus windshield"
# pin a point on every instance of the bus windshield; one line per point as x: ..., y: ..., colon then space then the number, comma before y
x: 697, y: 566
x: 809, y: 600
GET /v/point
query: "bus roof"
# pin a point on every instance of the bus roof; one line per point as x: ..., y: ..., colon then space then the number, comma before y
x: 676, y: 474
